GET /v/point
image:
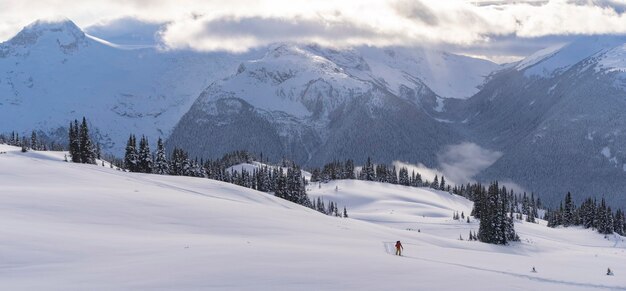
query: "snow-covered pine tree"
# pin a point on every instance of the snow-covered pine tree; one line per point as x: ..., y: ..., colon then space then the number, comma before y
x: 601, y: 217
x: 608, y: 227
x: 368, y: 171
x: 161, y: 165
x: 280, y: 190
x: 177, y: 161
x: 74, y: 146
x: 87, y: 150
x: 442, y: 185
x: 495, y: 225
x: 349, y: 168
x: 404, y: 177
x: 34, y: 142
x: 73, y: 138
x: 130, y: 156
x: 392, y: 176
x: 144, y: 156
x: 568, y: 211
x: 618, y: 222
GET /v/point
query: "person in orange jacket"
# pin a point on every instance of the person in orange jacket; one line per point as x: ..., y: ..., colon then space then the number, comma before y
x: 399, y: 248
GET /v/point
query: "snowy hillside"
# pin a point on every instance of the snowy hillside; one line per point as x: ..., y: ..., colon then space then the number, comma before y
x: 75, y: 227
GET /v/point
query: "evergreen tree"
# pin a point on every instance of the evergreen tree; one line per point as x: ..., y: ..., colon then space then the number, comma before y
x: 130, y: 157
x: 34, y: 142
x: 568, y: 211
x: 417, y: 180
x: 87, y: 150
x: 495, y: 225
x: 161, y: 165
x: 144, y: 156
x: 442, y: 186
x: 74, y: 146
x: 349, y: 168
x: 608, y: 227
x: 601, y: 218
x: 618, y: 222
x: 368, y: 171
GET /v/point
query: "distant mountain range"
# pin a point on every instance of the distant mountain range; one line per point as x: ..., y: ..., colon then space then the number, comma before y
x: 557, y: 117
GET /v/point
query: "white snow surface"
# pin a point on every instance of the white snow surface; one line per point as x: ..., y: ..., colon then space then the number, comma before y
x: 68, y: 226
x: 553, y: 60
x: 614, y: 60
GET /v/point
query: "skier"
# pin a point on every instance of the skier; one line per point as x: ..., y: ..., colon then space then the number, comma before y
x: 609, y: 272
x: 399, y: 248
x: 534, y: 271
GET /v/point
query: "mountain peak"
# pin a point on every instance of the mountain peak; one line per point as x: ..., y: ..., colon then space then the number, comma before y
x: 54, y: 25
x: 60, y: 32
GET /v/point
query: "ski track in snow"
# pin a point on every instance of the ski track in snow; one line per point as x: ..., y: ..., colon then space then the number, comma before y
x: 390, y: 249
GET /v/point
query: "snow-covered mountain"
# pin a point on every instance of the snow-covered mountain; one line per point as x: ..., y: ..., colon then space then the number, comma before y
x: 68, y: 226
x: 52, y: 72
x: 314, y: 104
x: 558, y: 118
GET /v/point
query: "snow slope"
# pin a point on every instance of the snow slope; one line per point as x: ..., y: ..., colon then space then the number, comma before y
x: 83, y: 227
x: 552, y: 61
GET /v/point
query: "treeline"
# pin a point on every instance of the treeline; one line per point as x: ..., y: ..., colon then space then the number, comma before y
x: 285, y: 182
x: 520, y: 206
x: 34, y: 142
x: 338, y: 170
x: 590, y: 214
x: 331, y: 209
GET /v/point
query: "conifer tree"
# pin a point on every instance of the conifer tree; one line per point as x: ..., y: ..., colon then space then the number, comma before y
x: 495, y: 225
x: 34, y: 142
x: 368, y: 171
x: 144, y: 156
x: 349, y: 168
x: 161, y: 165
x: 87, y: 150
x: 568, y: 211
x: 74, y: 147
x: 442, y: 186
x: 130, y: 157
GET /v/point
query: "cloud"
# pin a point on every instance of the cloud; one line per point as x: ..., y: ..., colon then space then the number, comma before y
x: 463, y: 161
x: 242, y: 33
x: 127, y: 31
x: 458, y: 163
x: 237, y: 25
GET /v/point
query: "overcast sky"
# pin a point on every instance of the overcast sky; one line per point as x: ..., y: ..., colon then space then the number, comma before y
x: 499, y: 30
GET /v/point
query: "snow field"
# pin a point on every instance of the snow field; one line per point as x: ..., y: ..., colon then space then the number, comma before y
x: 69, y: 226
